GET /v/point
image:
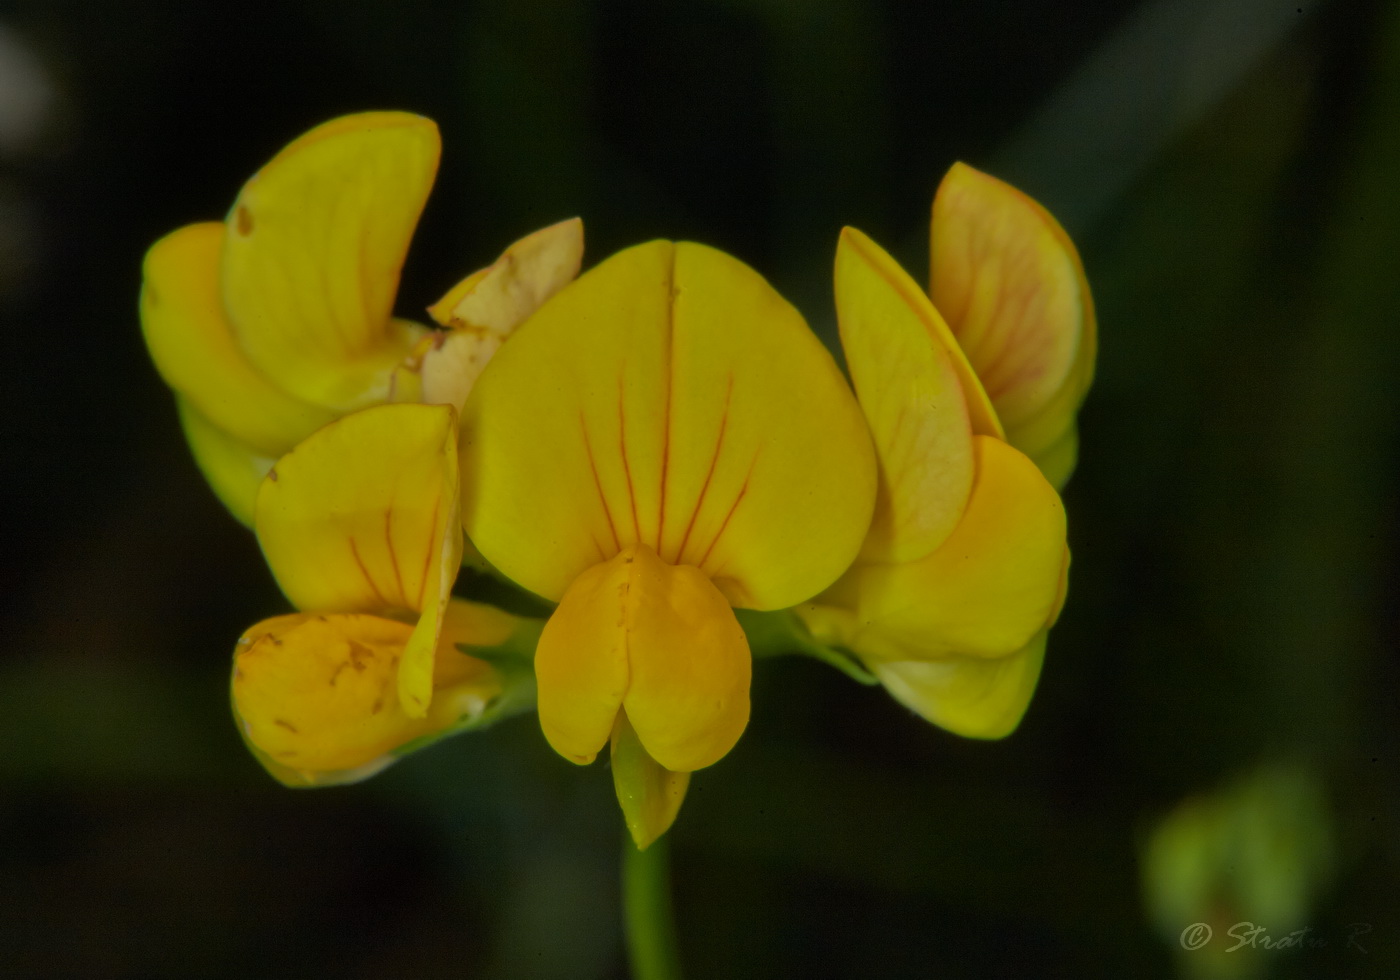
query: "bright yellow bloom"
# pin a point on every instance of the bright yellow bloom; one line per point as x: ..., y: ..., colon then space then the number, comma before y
x: 360, y: 526
x: 664, y: 441
x: 279, y: 319
x: 1010, y: 285
x: 963, y: 570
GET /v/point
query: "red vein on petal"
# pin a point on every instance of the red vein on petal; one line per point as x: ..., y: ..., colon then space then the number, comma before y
x: 704, y: 487
x: 602, y: 498
x: 626, y: 469
x: 725, y: 524
x: 354, y: 550
x: 428, y: 555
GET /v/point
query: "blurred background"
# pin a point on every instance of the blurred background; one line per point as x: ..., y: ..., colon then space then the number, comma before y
x: 1216, y: 736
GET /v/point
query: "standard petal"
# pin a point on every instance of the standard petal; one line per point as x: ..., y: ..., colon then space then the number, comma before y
x: 182, y: 317
x: 991, y: 586
x: 362, y: 517
x: 1010, y: 282
x: 312, y: 254
x: 234, y: 470
x: 668, y: 397
x: 909, y: 390
x: 316, y: 693
x: 969, y: 696
x: 484, y: 309
x: 650, y: 794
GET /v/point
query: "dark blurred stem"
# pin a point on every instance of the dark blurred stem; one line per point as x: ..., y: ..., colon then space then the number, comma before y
x: 646, y: 911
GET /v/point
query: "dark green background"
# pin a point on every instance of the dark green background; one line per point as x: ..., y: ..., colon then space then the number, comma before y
x: 1233, y: 179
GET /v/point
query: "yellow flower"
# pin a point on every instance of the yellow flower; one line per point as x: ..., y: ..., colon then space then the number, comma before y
x: 360, y: 526
x: 963, y: 570
x: 274, y: 322
x: 1010, y: 285
x: 664, y: 441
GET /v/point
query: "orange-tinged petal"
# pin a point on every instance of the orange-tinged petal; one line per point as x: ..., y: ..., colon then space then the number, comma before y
x: 909, y: 390
x: 986, y: 591
x: 484, y: 309
x: 650, y: 794
x: 183, y: 320
x: 980, y: 412
x: 1010, y: 282
x: 362, y: 517
x: 969, y: 696
x: 234, y: 470
x: 317, y: 693
x: 312, y: 253
x: 668, y: 397
x: 658, y: 639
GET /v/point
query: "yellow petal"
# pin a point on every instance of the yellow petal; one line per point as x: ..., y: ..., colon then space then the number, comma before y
x: 484, y: 309
x: 987, y: 591
x: 233, y: 469
x: 312, y: 254
x: 668, y: 397
x: 1058, y: 458
x: 969, y: 696
x: 688, y: 698
x: 362, y: 517
x: 581, y: 664
x: 316, y: 693
x: 658, y: 639
x: 453, y: 362
x: 188, y: 336
x: 650, y: 794
x: 499, y: 298
x: 1010, y: 282
x: 909, y: 390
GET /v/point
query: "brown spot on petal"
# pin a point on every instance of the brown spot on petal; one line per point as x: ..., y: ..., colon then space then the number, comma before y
x: 359, y: 655
x: 284, y: 723
x: 243, y: 220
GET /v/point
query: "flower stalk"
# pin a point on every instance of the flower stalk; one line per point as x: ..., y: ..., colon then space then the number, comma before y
x: 647, y: 915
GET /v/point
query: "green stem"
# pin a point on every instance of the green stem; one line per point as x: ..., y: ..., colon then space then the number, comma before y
x: 646, y: 911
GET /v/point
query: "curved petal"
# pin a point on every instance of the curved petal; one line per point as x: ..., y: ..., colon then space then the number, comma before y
x: 969, y: 696
x: 688, y: 698
x: 658, y: 639
x: 316, y: 693
x: 233, y: 470
x: 312, y: 253
x: 362, y: 517
x: 650, y: 794
x: 909, y: 390
x: 668, y: 397
x: 500, y: 297
x: 484, y: 309
x: 183, y: 320
x: 1010, y: 282
x: 581, y: 664
x: 987, y: 591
